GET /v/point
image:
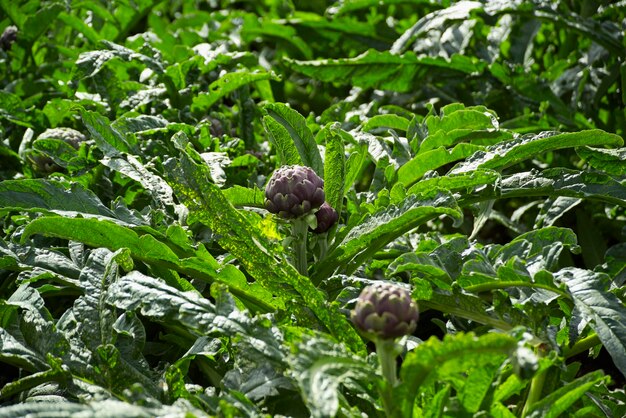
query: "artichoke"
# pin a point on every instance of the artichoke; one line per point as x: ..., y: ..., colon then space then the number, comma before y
x: 44, y: 164
x: 326, y: 217
x: 294, y: 191
x: 8, y: 37
x: 384, y: 310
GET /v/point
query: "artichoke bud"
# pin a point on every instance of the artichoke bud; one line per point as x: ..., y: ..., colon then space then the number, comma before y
x: 294, y: 191
x: 385, y: 310
x: 8, y: 37
x: 45, y: 164
x: 326, y: 217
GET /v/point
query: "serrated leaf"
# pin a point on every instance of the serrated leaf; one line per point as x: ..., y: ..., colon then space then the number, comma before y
x: 420, y: 164
x: 605, y: 313
x: 380, y: 228
x: 562, y: 399
x: 456, y: 354
x: 90, y: 63
x: 611, y: 161
x: 383, y: 70
x: 50, y: 195
x: 456, y: 182
x: 321, y: 368
x: 295, y: 125
x: 243, y: 196
x: 131, y: 167
x: 109, y: 140
x: 386, y: 121
x: 564, y: 182
x: 225, y: 85
x: 282, y: 141
x: 334, y: 166
x: 156, y: 300
x: 508, y: 153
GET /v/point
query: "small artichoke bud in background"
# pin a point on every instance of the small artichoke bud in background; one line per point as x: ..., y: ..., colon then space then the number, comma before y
x: 326, y: 217
x: 44, y: 164
x: 385, y: 310
x: 8, y: 37
x: 294, y: 191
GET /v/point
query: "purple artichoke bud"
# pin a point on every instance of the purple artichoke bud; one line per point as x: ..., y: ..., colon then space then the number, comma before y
x: 326, y: 217
x: 385, y: 310
x: 8, y: 37
x: 294, y: 191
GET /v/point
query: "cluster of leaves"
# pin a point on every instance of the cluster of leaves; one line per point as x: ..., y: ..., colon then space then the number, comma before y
x: 141, y: 276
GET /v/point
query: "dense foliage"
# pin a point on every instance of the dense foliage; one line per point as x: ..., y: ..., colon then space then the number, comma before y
x: 471, y: 153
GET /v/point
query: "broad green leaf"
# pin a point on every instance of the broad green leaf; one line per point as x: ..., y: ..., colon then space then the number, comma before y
x: 377, y: 230
x: 554, y: 208
x: 99, y: 409
x: 439, y: 360
x: 419, y: 165
x: 16, y: 353
x: 355, y: 163
x: 384, y: 70
x: 562, y: 399
x: 300, y: 134
x: 334, y: 166
x: 564, y: 182
x: 158, y: 301
x: 261, y: 259
x: 61, y: 153
x: 455, y: 182
x: 80, y: 26
x: 109, y: 140
x: 102, y: 233
x: 29, y: 333
x: 506, y: 154
x: 434, y: 21
x: 386, y: 121
x: 282, y: 141
x: 36, y: 24
x: 604, y: 311
x: 225, y: 85
x: 255, y: 27
x: 477, y: 385
x: 50, y: 195
x: 611, y: 161
x: 90, y: 63
x: 322, y: 368
x: 243, y: 196
x: 130, y: 166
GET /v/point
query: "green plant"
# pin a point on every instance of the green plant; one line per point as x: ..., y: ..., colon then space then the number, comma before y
x: 467, y: 154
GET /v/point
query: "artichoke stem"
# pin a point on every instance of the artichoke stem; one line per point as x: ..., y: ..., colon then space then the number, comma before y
x: 387, y: 352
x: 299, y: 230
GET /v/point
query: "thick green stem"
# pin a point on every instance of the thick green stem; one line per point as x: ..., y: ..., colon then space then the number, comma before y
x: 387, y: 353
x: 582, y: 346
x: 534, y: 394
x: 299, y: 230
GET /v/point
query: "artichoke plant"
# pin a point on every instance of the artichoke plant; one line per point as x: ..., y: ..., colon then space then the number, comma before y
x: 384, y: 310
x: 294, y: 191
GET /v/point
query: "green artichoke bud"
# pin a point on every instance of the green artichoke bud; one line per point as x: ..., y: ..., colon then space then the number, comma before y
x: 44, y: 164
x: 294, y: 191
x: 385, y: 310
x: 326, y: 217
